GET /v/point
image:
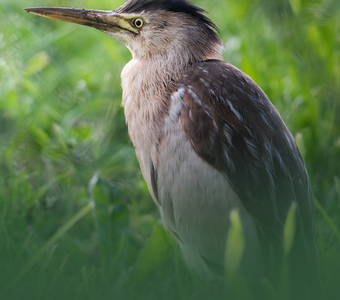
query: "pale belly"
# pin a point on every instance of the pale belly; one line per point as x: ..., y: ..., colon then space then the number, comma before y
x: 195, y: 203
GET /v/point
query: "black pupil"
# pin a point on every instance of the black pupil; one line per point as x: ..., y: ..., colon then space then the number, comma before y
x: 138, y: 23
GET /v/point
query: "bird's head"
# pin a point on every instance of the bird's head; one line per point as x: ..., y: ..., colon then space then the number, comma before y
x: 149, y: 28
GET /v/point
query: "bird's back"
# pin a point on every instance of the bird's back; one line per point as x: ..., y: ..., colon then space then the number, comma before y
x: 233, y: 127
x: 222, y: 145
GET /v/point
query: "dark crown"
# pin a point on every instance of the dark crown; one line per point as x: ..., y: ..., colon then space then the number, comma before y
x: 178, y: 6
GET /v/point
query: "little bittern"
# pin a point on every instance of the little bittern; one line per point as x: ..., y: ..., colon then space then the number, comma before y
x: 207, y: 138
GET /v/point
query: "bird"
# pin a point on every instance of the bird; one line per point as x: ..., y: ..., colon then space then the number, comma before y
x: 208, y: 140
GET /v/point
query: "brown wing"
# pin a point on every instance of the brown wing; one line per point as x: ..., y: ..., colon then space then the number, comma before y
x: 235, y: 128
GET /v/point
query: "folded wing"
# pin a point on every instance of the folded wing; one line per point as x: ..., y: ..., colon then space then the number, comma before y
x: 234, y: 127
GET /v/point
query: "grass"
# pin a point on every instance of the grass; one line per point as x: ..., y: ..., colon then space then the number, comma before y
x: 64, y: 146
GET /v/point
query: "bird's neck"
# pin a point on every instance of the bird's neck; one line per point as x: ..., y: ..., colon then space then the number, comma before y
x: 147, y: 87
x: 146, y: 81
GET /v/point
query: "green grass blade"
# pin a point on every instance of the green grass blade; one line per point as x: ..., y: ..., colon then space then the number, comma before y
x: 327, y: 218
x: 235, y: 246
x: 48, y: 244
x: 289, y: 230
x: 57, y: 274
x: 45, y: 187
x: 288, y: 239
x: 337, y: 185
x: 268, y: 289
x: 237, y: 285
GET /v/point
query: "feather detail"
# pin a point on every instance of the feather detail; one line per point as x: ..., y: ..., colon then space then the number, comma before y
x: 234, y: 127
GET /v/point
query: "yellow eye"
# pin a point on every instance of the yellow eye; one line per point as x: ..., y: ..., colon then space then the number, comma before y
x: 138, y: 23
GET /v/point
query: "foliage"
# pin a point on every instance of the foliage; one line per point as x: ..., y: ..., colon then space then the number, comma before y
x: 64, y: 147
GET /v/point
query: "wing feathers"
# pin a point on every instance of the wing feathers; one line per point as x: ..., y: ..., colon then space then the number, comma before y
x: 234, y: 127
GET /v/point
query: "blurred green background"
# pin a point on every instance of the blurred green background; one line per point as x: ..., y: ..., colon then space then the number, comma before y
x: 64, y: 146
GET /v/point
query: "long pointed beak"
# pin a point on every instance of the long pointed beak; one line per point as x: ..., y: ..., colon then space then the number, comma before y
x: 108, y: 21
